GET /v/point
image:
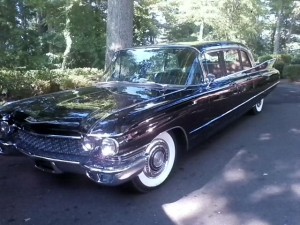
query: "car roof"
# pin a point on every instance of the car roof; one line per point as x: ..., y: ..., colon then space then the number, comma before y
x: 215, y: 44
x: 201, y: 46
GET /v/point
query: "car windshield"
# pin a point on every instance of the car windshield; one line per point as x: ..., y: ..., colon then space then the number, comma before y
x: 176, y: 66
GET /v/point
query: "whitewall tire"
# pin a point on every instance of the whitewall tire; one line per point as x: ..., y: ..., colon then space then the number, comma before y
x: 258, y: 107
x: 160, y: 162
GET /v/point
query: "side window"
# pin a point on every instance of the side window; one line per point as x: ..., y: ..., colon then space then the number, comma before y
x: 212, y: 63
x: 195, y: 75
x: 181, y: 67
x: 232, y: 61
x: 245, y: 60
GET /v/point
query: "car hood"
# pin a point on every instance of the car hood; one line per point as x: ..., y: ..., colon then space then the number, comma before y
x: 99, y: 108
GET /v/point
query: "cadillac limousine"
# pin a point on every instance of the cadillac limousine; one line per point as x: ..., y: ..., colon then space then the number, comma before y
x: 155, y: 102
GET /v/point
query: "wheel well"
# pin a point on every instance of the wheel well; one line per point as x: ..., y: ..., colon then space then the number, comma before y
x: 180, y: 138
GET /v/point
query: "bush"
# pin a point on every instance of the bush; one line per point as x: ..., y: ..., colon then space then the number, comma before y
x: 281, y: 62
x: 296, y: 59
x: 279, y: 65
x: 286, y: 59
x: 22, y: 84
x: 292, y: 72
x: 264, y: 58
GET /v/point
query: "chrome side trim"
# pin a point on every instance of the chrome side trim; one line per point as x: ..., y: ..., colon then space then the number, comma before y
x: 219, y: 117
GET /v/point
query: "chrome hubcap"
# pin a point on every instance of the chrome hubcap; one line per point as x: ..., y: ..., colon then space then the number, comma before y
x: 157, y: 159
x: 259, y: 105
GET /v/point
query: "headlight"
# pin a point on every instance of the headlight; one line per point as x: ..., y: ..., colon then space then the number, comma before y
x: 5, y: 128
x: 87, y: 145
x: 109, y: 147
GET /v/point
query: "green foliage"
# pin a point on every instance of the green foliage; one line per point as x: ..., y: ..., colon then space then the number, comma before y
x: 282, y: 10
x: 146, y: 27
x: 292, y: 72
x: 32, y: 31
x: 264, y: 58
x: 285, y: 58
x: 22, y: 84
x: 183, y: 32
x: 279, y: 65
x: 88, y: 34
x: 296, y: 59
x: 282, y: 61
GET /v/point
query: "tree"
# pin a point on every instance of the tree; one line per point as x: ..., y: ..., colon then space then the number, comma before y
x: 145, y: 25
x: 119, y: 26
x: 282, y: 9
x: 67, y: 33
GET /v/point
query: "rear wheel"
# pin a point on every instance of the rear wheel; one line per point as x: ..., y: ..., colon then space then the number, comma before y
x: 160, y: 162
x: 258, y: 107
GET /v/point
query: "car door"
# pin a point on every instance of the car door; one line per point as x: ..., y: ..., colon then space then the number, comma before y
x: 222, y: 91
x: 197, y: 114
x: 236, y: 67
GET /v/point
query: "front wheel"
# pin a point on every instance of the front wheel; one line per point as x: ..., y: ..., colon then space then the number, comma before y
x: 258, y: 107
x: 160, y: 161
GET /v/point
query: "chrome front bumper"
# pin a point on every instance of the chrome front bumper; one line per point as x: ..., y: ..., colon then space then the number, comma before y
x: 8, y: 148
x: 117, y: 174
x: 112, y: 173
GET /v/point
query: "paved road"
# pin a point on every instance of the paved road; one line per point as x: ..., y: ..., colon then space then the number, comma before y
x: 249, y: 174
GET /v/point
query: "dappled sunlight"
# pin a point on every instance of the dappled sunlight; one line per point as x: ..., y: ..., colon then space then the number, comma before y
x: 265, y: 137
x: 295, y: 188
x: 211, y: 204
x: 234, y: 171
x: 266, y: 192
x: 256, y: 222
x: 200, y: 208
x: 196, y: 205
x: 295, y: 175
x: 235, y: 175
x: 295, y: 131
x: 236, y: 194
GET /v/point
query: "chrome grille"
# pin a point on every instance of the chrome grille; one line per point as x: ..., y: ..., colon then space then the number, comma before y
x: 35, y: 143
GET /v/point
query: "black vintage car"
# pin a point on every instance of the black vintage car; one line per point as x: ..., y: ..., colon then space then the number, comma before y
x: 157, y: 101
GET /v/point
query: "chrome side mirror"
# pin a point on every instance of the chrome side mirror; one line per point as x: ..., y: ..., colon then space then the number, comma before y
x: 210, y: 79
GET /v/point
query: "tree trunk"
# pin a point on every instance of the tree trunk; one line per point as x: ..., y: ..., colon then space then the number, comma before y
x: 119, y: 27
x: 67, y: 36
x: 290, y: 30
x: 200, y: 37
x: 277, y: 35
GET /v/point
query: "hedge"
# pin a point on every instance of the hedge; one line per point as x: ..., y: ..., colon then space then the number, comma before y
x: 22, y: 84
x: 281, y: 61
x: 296, y: 59
x: 264, y: 58
x: 292, y: 72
